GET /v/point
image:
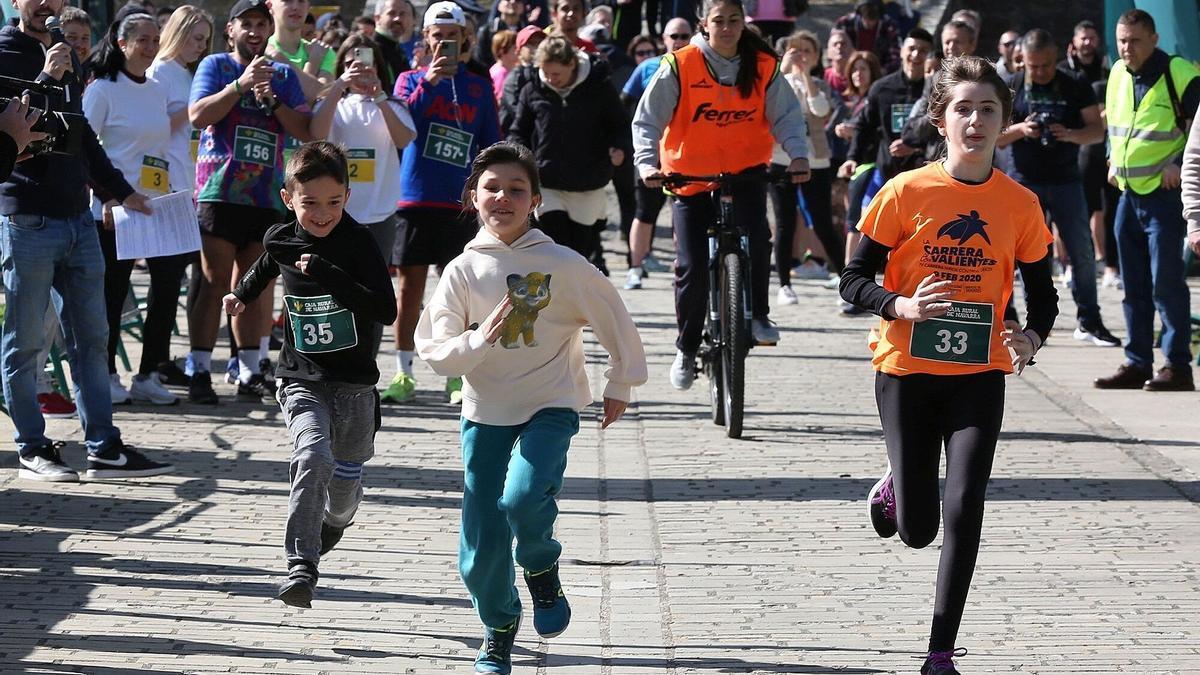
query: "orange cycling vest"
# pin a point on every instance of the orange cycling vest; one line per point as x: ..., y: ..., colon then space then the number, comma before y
x: 714, y: 129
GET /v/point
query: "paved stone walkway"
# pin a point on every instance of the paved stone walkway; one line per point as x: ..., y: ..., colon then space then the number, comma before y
x: 684, y: 552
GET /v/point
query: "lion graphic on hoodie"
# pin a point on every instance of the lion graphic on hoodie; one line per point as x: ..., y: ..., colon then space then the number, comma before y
x: 529, y: 295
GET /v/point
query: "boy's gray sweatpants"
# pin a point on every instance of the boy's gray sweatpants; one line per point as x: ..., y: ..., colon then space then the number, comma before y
x: 333, y: 427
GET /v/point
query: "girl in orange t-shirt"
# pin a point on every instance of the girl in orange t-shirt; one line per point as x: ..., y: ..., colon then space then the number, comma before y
x: 953, y: 233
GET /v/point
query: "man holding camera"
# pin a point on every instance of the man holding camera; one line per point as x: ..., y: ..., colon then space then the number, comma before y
x: 1059, y: 113
x: 48, y: 241
x: 247, y: 106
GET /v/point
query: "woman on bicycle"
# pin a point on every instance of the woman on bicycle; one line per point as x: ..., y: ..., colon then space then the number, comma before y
x: 952, y: 233
x: 717, y: 108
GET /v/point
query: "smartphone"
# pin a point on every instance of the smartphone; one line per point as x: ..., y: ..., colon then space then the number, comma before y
x: 449, y: 49
x: 364, y: 55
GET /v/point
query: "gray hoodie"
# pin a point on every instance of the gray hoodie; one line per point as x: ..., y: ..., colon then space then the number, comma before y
x: 657, y: 106
x: 1190, y: 177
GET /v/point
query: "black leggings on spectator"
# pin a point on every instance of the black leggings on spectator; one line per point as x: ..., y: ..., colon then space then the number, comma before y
x: 920, y: 413
x: 817, y: 199
x: 166, y: 273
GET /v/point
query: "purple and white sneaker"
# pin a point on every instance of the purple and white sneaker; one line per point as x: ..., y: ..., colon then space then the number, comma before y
x: 942, y: 663
x: 881, y: 502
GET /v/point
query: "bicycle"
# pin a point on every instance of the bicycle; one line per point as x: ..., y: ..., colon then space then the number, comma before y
x: 727, y: 332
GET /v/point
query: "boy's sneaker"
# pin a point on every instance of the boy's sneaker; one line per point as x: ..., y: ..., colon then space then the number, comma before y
x: 200, y: 389
x: 633, y: 279
x: 330, y: 536
x: 297, y: 591
x: 150, y: 390
x: 881, y: 504
x: 53, y: 404
x: 232, y: 371
x: 257, y: 389
x: 787, y: 296
x: 401, y: 390
x: 120, y: 395
x: 170, y: 374
x: 942, y: 663
x: 44, y: 463
x: 1095, y: 333
x: 454, y: 390
x: 123, y: 461
x: 495, y: 656
x: 551, y: 611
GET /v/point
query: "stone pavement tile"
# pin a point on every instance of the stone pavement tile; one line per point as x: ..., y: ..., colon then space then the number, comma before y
x: 684, y: 551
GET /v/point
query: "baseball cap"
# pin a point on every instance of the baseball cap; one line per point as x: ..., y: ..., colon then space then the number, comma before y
x: 445, y: 13
x: 247, y: 6
x: 527, y: 33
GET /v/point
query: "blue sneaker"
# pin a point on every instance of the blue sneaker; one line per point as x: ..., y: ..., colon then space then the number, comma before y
x: 495, y: 656
x: 551, y: 611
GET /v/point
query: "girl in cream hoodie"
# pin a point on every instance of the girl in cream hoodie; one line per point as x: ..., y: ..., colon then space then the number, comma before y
x: 508, y: 317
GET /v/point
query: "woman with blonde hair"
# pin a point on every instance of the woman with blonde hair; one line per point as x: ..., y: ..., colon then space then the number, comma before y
x: 186, y: 39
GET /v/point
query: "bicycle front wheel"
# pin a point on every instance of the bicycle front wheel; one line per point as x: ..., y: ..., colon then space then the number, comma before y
x: 735, y: 342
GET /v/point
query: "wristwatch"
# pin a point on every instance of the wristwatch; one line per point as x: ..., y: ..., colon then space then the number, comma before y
x: 275, y: 105
x: 380, y: 98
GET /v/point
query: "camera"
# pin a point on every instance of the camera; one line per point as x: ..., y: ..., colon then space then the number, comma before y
x: 1044, y: 120
x: 64, y: 130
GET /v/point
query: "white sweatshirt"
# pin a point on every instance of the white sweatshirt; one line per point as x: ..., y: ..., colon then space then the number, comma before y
x: 1190, y: 178
x: 538, y: 362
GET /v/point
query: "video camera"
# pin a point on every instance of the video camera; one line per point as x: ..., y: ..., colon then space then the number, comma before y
x: 1044, y: 120
x: 64, y: 130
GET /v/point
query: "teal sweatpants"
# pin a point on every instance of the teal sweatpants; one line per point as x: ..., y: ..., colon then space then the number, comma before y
x: 512, y: 476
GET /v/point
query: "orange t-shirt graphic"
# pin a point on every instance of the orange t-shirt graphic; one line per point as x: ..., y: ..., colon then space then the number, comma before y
x: 971, y: 235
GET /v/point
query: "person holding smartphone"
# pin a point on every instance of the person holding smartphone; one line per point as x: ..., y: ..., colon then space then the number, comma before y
x: 455, y: 114
x: 358, y: 114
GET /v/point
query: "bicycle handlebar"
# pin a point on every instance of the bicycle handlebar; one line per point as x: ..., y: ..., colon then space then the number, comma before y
x: 726, y: 179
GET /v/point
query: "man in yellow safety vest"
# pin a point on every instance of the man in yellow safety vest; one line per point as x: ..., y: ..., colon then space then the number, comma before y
x: 1149, y: 99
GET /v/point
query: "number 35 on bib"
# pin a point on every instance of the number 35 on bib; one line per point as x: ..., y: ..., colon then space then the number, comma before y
x: 320, y: 324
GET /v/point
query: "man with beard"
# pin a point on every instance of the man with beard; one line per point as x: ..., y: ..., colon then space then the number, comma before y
x: 394, y: 21
x: 245, y: 105
x: 48, y: 242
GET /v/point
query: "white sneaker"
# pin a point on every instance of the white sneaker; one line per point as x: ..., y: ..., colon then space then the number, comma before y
x: 683, y: 370
x: 1067, y: 278
x: 1112, y: 280
x: 787, y: 296
x: 120, y: 395
x: 149, y: 389
x: 834, y: 282
x: 633, y: 279
x: 810, y: 269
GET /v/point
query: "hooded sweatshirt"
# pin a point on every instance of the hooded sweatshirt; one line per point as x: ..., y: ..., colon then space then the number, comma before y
x: 657, y: 107
x: 538, y: 361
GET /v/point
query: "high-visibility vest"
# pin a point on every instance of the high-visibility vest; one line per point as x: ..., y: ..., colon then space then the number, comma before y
x: 1145, y: 139
x: 714, y: 129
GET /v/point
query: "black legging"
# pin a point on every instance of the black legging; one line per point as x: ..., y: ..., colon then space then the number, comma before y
x: 818, y: 200
x: 162, y: 301
x: 920, y: 413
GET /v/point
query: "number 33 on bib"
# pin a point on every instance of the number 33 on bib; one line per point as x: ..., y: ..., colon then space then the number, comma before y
x: 320, y: 324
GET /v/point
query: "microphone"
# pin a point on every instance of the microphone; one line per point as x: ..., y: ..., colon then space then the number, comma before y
x: 54, y: 25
